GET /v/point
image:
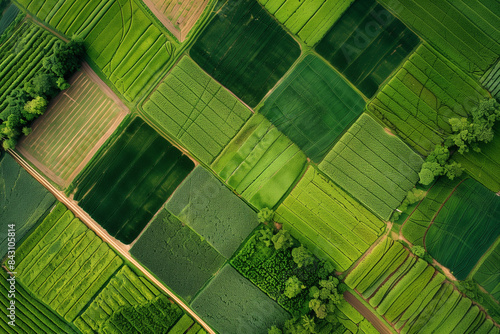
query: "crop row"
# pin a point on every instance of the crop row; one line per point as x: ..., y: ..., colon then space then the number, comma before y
x: 491, y: 80
x: 375, y: 167
x: 488, y: 273
x: 260, y: 163
x: 353, y: 320
x: 328, y: 221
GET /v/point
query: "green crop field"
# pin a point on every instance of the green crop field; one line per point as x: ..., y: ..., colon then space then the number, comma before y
x: 260, y: 163
x: 309, y: 20
x: 375, y: 167
x: 127, y: 185
x: 23, y: 201
x: 367, y: 44
x: 488, y: 273
x: 177, y: 255
x: 213, y: 211
x: 328, y: 221
x: 243, y: 308
x: 7, y: 17
x: 119, y: 35
x: 64, y: 264
x: 244, y: 33
x: 196, y: 110
x: 463, y: 31
x: 31, y: 315
x: 353, y: 320
x: 491, y: 80
x: 464, y: 228
x: 415, y: 104
x: 77, y: 122
x: 313, y: 106
x: 416, y: 225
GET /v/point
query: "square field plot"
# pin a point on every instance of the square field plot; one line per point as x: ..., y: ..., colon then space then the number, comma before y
x: 177, y: 255
x: 313, y: 106
x: 245, y: 49
x: 213, y: 211
x: 77, y: 122
x: 232, y: 304
x: 130, y: 181
x: 367, y: 44
x: 374, y: 166
x: 196, y: 110
x: 464, y: 228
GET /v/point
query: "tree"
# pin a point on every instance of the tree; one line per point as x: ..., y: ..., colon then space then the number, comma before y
x: 326, y: 269
x: 302, y: 257
x: 418, y: 251
x: 66, y: 58
x: 274, y: 330
x: 9, y: 144
x: 293, y: 286
x: 26, y: 130
x: 43, y: 84
x: 266, y: 236
x: 62, y: 84
x: 453, y: 170
x: 282, y: 239
x: 265, y: 215
x: 309, y: 324
x: 36, y: 106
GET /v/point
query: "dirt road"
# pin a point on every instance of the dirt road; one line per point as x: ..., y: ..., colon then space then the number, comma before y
x: 365, y: 312
x: 118, y: 246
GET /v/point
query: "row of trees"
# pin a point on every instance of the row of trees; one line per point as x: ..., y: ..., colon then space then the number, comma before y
x: 28, y: 102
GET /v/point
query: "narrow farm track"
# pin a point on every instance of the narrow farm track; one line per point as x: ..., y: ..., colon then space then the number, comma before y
x: 365, y: 312
x: 118, y: 246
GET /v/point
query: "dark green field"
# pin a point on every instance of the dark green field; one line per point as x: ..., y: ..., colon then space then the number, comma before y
x: 131, y: 180
x: 313, y: 106
x: 245, y: 49
x: 465, y: 228
x: 367, y: 44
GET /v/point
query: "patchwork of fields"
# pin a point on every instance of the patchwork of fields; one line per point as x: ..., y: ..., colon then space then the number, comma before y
x: 196, y: 110
x: 119, y: 35
x: 373, y: 166
x: 313, y: 106
x: 244, y: 33
x: 129, y: 182
x: 76, y: 124
x: 260, y: 163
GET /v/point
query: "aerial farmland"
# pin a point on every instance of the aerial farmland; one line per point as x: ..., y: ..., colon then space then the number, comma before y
x: 250, y: 166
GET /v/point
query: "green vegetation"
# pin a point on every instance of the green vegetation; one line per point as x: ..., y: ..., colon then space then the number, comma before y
x: 465, y: 227
x: 461, y: 30
x: 329, y: 222
x: 488, y: 273
x: 234, y: 37
x: 64, y: 264
x: 367, y: 44
x: 23, y: 201
x: 491, y: 80
x: 130, y: 181
x: 415, y: 105
x: 375, y: 167
x: 196, y: 110
x: 313, y: 106
x: 213, y: 211
x: 353, y: 320
x: 7, y: 16
x: 71, y: 129
x: 309, y: 20
x: 129, y: 49
x: 177, y: 255
x: 260, y: 163
x: 243, y: 309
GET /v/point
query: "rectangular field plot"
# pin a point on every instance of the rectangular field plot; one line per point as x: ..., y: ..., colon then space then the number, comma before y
x: 7, y: 17
x: 491, y: 80
x: 465, y: 227
x: 367, y: 44
x: 119, y: 36
x: 328, y: 221
x: 313, y: 106
x: 31, y: 315
x: 177, y: 255
x: 488, y: 274
x: 232, y: 304
x: 213, y: 211
x: 128, y: 303
x: 309, y: 19
x: 412, y: 295
x: 423, y: 95
x: 245, y: 49
x: 76, y: 123
x: 63, y: 263
x: 197, y: 111
x: 23, y: 200
x: 375, y: 167
x: 128, y: 183
x: 260, y: 163
x: 179, y: 16
x: 464, y: 31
